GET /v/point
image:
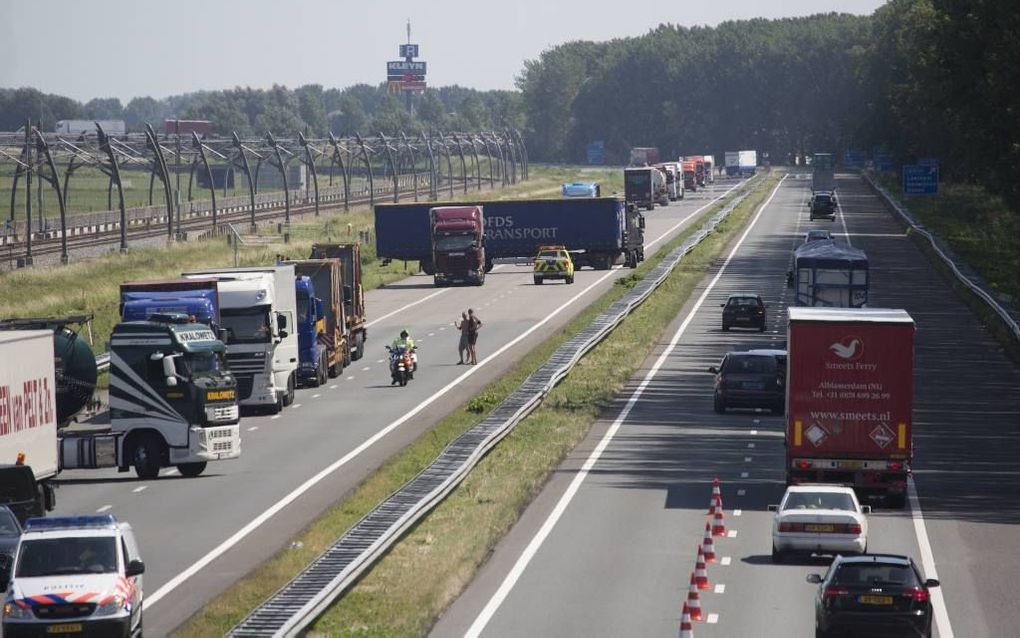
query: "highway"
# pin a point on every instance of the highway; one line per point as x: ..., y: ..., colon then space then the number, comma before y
x: 608, y: 547
x: 198, y: 536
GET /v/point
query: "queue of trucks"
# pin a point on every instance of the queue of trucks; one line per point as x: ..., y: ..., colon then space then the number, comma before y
x: 185, y: 357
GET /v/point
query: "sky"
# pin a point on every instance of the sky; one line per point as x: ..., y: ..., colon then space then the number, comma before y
x: 128, y: 48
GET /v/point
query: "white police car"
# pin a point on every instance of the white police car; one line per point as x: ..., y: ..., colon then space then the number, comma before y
x: 74, y: 576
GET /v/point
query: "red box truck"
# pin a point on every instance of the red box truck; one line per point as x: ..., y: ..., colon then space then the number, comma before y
x: 849, y: 396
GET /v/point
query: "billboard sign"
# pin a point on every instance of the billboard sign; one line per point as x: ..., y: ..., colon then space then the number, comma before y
x: 408, y: 50
x: 919, y: 179
x: 399, y: 67
x: 882, y: 161
x: 596, y: 152
x: 854, y: 158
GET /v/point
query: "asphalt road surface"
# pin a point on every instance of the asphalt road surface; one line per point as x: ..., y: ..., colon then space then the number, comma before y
x: 200, y: 535
x: 607, y: 549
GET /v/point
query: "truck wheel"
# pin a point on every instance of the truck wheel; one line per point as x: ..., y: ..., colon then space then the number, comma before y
x: 538, y: 281
x: 147, y: 457
x: 323, y: 370
x: 191, y: 470
x: 570, y: 279
x: 360, y: 343
x: 288, y: 399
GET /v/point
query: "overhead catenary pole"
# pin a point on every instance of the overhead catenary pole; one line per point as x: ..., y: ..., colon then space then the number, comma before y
x: 28, y: 193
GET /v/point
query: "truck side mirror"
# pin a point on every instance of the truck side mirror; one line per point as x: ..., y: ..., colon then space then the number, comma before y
x: 281, y: 321
x: 170, y: 372
x: 134, y: 568
x: 641, y: 221
x: 320, y: 312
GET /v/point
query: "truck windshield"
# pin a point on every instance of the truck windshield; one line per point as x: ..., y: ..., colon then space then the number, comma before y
x: 203, y: 362
x: 74, y: 555
x: 247, y: 325
x: 637, y: 179
x: 455, y: 242
x: 302, y: 307
x: 8, y: 525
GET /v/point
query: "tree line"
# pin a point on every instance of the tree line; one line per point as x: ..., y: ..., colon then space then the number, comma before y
x: 918, y: 78
x: 310, y: 109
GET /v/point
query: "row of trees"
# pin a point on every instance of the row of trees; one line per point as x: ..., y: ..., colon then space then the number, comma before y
x: 918, y: 78
x: 310, y: 108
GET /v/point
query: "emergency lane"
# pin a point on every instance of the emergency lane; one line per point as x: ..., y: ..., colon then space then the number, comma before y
x: 210, y: 531
x: 619, y: 558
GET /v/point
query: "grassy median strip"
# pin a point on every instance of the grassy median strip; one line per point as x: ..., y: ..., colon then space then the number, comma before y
x: 406, y: 591
x: 92, y: 286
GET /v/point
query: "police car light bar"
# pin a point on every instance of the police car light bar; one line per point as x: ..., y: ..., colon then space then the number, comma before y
x: 71, y: 522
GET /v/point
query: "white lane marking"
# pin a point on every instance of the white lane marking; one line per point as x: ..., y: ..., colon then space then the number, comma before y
x: 316, y: 396
x: 295, y: 406
x: 754, y: 432
x: 720, y: 588
x: 350, y: 378
x: 750, y: 445
x: 442, y: 328
x: 253, y: 428
x: 744, y: 475
x: 257, y: 522
x: 403, y: 308
x: 275, y: 416
x: 846, y: 233
x: 747, y: 459
x: 432, y: 334
x: 741, y: 492
x: 334, y: 386
x: 938, y: 602
x: 529, y: 552
x: 738, y: 512
x: 104, y: 508
x: 140, y: 488
x: 367, y: 368
x: 726, y: 560
x: 379, y: 361
x: 731, y: 533
x: 712, y: 619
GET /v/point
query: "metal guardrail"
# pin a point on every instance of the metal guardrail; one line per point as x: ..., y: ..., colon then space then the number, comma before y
x: 933, y: 240
x: 295, y: 606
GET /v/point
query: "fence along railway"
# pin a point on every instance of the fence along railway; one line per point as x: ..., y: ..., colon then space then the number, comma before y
x: 309, y: 174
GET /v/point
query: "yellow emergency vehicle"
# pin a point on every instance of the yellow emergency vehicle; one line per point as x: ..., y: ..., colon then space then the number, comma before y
x: 553, y: 262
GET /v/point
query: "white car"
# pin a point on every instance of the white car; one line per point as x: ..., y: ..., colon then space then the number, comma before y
x: 819, y: 519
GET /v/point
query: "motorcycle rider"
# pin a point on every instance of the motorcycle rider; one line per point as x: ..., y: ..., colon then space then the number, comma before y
x: 407, y: 343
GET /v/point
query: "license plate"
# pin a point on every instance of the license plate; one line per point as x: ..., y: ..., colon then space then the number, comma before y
x: 64, y: 628
x: 743, y: 318
x: 819, y: 528
x: 876, y: 600
x: 851, y: 465
x: 753, y: 385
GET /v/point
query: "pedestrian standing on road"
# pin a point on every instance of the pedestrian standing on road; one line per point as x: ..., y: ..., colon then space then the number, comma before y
x: 474, y: 324
x: 462, y: 326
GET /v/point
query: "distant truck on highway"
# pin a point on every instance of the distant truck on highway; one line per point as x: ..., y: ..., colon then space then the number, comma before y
x: 690, y: 170
x: 709, y: 168
x: 644, y: 156
x: 88, y: 127
x: 604, y: 230
x: 732, y: 163
x: 645, y: 186
x: 581, y: 189
x: 674, y: 179
x: 830, y: 274
x: 258, y: 309
x: 850, y: 387
x: 823, y: 176
x: 747, y: 162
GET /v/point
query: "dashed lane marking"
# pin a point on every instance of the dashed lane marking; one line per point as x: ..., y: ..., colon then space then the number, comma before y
x: 720, y: 588
x: 754, y: 432
x: 731, y: 534
x: 747, y: 459
x: 275, y: 416
x: 712, y: 619
x: 738, y: 512
x: 104, y: 508
x: 350, y: 378
x: 334, y: 386
x: 295, y: 406
x: 741, y: 492
x: 726, y: 560
x: 744, y: 475
x: 316, y: 396
x: 750, y: 445
x: 366, y: 369
x: 140, y: 488
x: 253, y: 428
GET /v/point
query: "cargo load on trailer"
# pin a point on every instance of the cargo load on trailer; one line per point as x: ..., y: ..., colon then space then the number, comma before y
x: 355, y: 317
x: 644, y: 156
x: 823, y: 175
x: 850, y: 388
x: 828, y: 273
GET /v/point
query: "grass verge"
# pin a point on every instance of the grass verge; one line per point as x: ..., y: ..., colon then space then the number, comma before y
x: 406, y: 591
x: 92, y: 286
x: 984, y: 234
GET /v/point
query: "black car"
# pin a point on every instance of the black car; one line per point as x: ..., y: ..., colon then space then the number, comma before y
x: 749, y: 380
x: 10, y: 531
x: 744, y: 311
x: 873, y: 595
x: 823, y: 205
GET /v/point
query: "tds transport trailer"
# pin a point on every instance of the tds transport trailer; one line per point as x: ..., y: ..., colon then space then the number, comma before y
x: 603, y: 230
x: 747, y: 162
x: 850, y: 388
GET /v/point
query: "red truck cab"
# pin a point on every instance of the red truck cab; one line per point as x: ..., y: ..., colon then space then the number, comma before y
x: 849, y: 395
x: 690, y: 175
x: 458, y: 245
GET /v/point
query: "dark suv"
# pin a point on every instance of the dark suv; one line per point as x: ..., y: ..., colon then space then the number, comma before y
x: 823, y: 205
x: 874, y: 594
x: 743, y: 311
x: 750, y: 380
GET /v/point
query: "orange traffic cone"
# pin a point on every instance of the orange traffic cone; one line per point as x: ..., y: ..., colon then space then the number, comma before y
x: 718, y: 521
x: 716, y: 494
x: 686, y: 628
x: 708, y: 544
x: 700, y: 573
x: 694, y: 600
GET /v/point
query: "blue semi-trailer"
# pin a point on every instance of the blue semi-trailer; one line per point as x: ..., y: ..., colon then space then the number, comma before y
x: 198, y: 298
x: 602, y: 230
